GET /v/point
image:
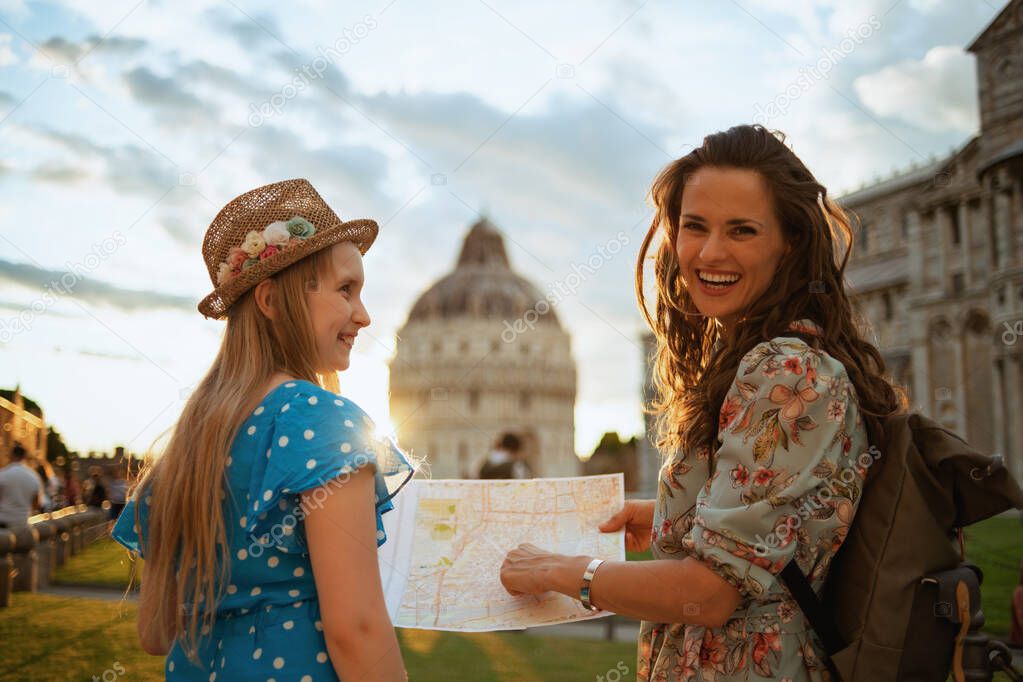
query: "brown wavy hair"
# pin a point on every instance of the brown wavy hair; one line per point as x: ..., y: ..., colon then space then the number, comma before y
x: 690, y: 377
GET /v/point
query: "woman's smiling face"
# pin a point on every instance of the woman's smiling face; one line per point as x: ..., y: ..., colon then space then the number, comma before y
x: 728, y: 232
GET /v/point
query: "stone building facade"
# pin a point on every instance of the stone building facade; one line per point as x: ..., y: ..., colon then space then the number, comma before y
x: 23, y: 423
x: 483, y: 354
x: 938, y: 270
x: 649, y: 464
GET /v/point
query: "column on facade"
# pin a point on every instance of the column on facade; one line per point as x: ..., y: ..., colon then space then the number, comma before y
x: 965, y: 242
x: 1014, y: 412
x: 1002, y: 222
x: 921, y: 377
x: 916, y: 253
x: 958, y: 350
x: 999, y: 403
x: 1015, y: 226
x: 942, y: 224
x: 921, y: 361
x: 984, y: 227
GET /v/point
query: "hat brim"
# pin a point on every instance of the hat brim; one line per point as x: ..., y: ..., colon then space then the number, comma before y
x: 361, y: 232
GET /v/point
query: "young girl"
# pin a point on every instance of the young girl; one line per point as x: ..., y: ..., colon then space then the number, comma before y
x: 260, y: 523
x: 768, y: 395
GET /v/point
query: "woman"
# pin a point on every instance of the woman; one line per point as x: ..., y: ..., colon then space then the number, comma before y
x: 260, y: 522
x: 767, y: 392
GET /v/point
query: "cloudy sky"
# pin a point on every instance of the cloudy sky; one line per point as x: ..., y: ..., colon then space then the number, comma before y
x: 125, y: 126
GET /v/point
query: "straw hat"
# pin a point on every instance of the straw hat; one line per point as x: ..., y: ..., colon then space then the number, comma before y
x: 265, y: 230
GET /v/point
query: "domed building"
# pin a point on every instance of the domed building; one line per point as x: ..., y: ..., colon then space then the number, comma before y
x: 483, y: 354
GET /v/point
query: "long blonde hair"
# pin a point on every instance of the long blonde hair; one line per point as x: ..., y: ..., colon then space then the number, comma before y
x: 185, y: 547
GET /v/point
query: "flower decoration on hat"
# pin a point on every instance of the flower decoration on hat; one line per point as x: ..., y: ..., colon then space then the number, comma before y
x: 259, y: 245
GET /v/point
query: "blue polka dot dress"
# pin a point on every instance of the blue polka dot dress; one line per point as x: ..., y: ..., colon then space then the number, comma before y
x: 268, y: 624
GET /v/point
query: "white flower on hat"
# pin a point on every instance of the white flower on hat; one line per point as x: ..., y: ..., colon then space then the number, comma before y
x: 223, y: 274
x: 253, y: 244
x: 276, y: 233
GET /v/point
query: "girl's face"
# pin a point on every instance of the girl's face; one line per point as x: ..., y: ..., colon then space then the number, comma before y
x: 729, y: 241
x: 336, y: 309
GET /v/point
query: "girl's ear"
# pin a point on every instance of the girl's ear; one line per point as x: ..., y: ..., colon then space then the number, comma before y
x: 265, y: 295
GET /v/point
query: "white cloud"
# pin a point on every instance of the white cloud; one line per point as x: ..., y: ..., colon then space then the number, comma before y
x: 937, y: 93
x: 14, y: 7
x: 128, y: 168
x: 59, y: 55
x: 175, y: 105
x: 574, y: 163
x: 7, y: 56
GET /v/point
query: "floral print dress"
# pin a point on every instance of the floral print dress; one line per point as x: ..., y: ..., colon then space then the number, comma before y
x: 788, y: 472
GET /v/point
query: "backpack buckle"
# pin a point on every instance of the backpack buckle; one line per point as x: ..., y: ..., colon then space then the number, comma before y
x: 996, y: 464
x: 947, y: 600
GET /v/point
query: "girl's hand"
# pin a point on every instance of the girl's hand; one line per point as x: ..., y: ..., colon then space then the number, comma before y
x: 637, y: 516
x: 527, y: 569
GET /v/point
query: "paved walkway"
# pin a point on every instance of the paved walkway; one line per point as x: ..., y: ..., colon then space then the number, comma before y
x: 622, y: 629
x: 83, y: 592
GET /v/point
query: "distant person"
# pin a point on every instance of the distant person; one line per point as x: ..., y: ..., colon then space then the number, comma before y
x: 72, y: 489
x: 51, y: 484
x: 507, y: 460
x: 97, y: 494
x: 117, y: 492
x: 1016, y: 631
x: 21, y: 490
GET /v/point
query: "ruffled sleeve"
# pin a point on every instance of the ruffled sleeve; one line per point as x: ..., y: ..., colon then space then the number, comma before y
x: 319, y: 439
x: 784, y: 435
x: 128, y: 531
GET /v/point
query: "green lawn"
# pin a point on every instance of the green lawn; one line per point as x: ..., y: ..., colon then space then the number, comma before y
x: 639, y: 556
x: 996, y: 545
x: 47, y: 638
x: 104, y: 564
x: 43, y: 637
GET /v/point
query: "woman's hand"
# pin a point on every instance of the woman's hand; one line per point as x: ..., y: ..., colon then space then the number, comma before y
x: 527, y: 569
x: 637, y: 516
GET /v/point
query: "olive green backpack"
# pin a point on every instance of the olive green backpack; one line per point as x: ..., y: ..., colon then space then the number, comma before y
x: 899, y: 595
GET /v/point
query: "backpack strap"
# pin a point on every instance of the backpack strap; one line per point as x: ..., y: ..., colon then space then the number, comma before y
x: 957, y: 598
x: 800, y: 589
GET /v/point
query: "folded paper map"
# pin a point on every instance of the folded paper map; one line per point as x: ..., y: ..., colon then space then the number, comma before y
x: 446, y: 540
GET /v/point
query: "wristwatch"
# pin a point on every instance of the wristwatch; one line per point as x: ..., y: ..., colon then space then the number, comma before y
x: 584, y: 591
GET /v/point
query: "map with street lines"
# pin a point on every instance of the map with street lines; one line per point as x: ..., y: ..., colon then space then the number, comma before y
x: 450, y: 537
